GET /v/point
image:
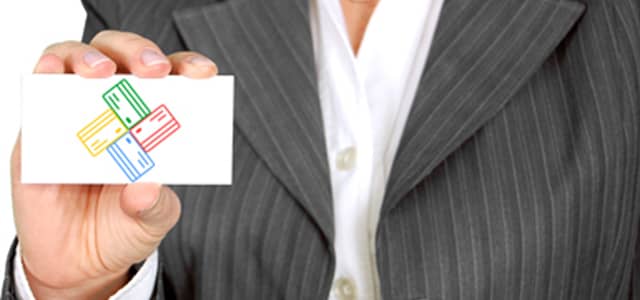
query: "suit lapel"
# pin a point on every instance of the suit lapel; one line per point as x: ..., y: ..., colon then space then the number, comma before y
x: 482, y: 53
x: 268, y: 46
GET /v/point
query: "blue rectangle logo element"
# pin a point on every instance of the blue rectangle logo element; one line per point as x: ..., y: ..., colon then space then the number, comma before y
x: 130, y: 157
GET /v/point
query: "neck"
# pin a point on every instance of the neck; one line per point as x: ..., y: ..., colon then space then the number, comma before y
x: 357, y: 14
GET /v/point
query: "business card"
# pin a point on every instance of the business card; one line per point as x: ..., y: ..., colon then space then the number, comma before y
x: 124, y: 129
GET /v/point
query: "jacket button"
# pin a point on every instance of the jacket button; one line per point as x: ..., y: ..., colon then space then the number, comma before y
x: 344, y: 289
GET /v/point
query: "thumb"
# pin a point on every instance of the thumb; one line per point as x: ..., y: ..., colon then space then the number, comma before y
x: 157, y: 207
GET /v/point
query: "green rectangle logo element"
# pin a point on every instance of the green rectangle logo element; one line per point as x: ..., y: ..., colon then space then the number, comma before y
x: 125, y: 102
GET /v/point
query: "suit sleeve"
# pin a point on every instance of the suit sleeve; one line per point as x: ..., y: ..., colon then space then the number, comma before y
x: 8, y: 287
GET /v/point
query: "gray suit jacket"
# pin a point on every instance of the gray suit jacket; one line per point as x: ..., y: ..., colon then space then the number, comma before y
x: 517, y: 176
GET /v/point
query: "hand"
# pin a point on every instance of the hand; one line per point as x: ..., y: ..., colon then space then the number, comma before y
x: 78, y: 241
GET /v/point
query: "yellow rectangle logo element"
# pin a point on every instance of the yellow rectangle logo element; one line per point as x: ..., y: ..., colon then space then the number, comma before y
x: 101, y: 132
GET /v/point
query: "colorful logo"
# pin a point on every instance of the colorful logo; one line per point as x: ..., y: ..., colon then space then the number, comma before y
x: 128, y: 130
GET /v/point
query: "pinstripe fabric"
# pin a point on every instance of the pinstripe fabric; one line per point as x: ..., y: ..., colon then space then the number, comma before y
x: 516, y: 177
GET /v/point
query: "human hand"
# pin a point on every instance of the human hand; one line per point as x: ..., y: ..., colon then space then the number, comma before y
x: 79, y: 241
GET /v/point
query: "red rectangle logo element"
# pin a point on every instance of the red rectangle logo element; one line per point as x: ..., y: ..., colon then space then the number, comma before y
x: 155, y: 128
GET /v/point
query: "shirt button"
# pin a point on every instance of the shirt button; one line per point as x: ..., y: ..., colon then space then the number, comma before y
x: 346, y: 159
x: 344, y: 289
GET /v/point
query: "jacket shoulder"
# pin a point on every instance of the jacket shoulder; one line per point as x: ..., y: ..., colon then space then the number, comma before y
x: 119, y: 14
x: 149, y: 18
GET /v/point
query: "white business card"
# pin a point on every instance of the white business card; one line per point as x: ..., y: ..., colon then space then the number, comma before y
x: 126, y: 129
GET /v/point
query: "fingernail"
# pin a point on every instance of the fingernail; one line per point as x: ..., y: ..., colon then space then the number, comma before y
x: 200, y: 61
x: 49, y: 63
x: 151, y: 58
x: 143, y: 212
x: 93, y: 58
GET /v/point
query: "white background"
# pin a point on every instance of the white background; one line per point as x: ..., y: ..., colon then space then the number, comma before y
x: 26, y: 27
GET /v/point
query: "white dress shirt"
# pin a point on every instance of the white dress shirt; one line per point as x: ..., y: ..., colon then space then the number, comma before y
x: 365, y: 103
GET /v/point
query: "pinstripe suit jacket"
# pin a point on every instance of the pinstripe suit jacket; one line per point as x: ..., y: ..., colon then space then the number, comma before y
x: 516, y: 177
